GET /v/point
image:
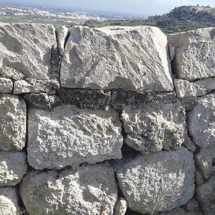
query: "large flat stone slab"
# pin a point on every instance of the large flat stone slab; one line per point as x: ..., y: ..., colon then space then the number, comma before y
x: 12, y: 123
x: 13, y: 165
x: 201, y: 121
x: 27, y: 49
x: 157, y: 182
x: 88, y: 190
x: 155, y: 126
x: 70, y: 136
x: 194, y: 53
x: 131, y: 58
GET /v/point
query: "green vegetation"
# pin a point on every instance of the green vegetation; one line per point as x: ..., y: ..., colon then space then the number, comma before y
x: 178, y: 20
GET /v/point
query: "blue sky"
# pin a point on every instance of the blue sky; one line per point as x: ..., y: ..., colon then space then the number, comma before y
x: 140, y: 7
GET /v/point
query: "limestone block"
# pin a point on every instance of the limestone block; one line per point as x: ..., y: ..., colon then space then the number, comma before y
x: 71, y: 136
x: 13, y: 166
x: 157, y: 182
x: 208, y: 84
x: 88, y: 190
x: 6, y: 85
x: 61, y: 33
x: 206, y: 196
x: 121, y: 207
x: 130, y: 58
x: 201, y: 121
x: 155, y: 126
x: 194, y: 53
x: 12, y: 122
x: 205, y: 161
x: 35, y: 86
x: 9, y: 201
x: 27, y: 48
x: 185, y: 89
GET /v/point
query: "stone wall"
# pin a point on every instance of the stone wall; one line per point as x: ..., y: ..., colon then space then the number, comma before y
x: 107, y: 121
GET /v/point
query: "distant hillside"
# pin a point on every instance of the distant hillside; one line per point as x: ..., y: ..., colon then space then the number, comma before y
x: 182, y: 18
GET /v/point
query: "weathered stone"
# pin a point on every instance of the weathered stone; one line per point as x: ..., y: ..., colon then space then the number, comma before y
x: 157, y: 182
x: 192, y: 205
x: 56, y: 60
x: 189, y: 144
x: 194, y: 53
x: 12, y: 73
x: 9, y: 201
x: 71, y: 136
x: 199, y: 177
x: 13, y: 166
x: 42, y: 100
x: 155, y: 126
x: 208, y: 84
x: 93, y: 99
x: 188, y: 89
x: 181, y: 211
x: 88, y: 190
x: 121, y: 207
x: 35, y: 86
x: 61, y: 33
x: 6, y: 85
x: 206, y: 196
x: 27, y: 48
x: 205, y: 161
x: 201, y: 121
x: 131, y: 58
x: 12, y: 122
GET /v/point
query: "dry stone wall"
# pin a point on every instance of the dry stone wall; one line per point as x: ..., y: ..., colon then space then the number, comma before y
x: 107, y: 121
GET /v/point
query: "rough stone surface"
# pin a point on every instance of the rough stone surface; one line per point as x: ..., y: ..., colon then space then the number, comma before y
x: 70, y: 136
x: 131, y: 58
x: 61, y: 33
x: 35, y: 86
x: 157, y: 182
x: 88, y: 190
x: 27, y: 48
x: 12, y: 73
x: 185, y: 88
x: 154, y: 126
x: 208, y: 84
x: 194, y: 53
x: 12, y: 122
x: 199, y: 177
x: 93, y: 99
x: 201, y: 121
x: 6, y: 85
x: 205, y: 161
x: 181, y: 211
x: 189, y: 144
x: 206, y: 196
x: 9, y: 201
x: 42, y: 100
x: 13, y: 166
x: 121, y: 207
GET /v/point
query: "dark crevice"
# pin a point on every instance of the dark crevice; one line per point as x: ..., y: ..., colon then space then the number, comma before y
x: 67, y: 38
x: 22, y: 208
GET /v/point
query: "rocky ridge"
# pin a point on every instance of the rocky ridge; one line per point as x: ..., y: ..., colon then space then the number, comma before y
x: 108, y: 121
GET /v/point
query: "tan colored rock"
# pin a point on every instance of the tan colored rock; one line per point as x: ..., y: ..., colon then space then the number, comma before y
x: 194, y: 53
x: 88, y: 190
x: 157, y: 182
x: 155, y: 126
x: 13, y: 166
x: 13, y: 123
x: 201, y: 121
x: 6, y: 85
x: 9, y: 201
x: 130, y: 58
x: 71, y: 136
x: 27, y: 48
